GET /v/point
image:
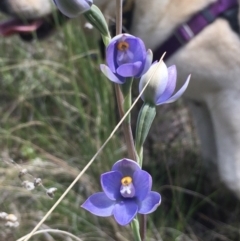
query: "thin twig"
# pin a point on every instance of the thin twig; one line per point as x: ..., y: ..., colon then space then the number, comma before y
x: 53, y: 231
x: 118, y: 17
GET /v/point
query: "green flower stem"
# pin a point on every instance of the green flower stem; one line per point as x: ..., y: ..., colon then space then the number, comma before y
x: 96, y: 18
x: 127, y: 94
x: 144, y: 122
x: 135, y: 229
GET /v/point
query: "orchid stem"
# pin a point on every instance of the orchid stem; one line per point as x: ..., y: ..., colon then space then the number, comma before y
x: 135, y: 228
x: 119, y: 9
x: 127, y: 130
x: 127, y: 94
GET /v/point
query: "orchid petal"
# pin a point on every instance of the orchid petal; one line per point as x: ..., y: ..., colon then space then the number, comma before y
x: 99, y: 204
x: 137, y: 47
x: 178, y: 94
x: 147, y: 64
x: 171, y: 85
x: 130, y: 69
x: 111, y: 184
x: 150, y: 203
x: 158, y: 73
x: 142, y: 182
x: 111, y: 54
x: 110, y: 75
x: 126, y: 166
x: 73, y: 8
x: 125, y: 211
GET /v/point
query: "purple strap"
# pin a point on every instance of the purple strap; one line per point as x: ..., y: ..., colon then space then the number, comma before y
x: 185, y: 32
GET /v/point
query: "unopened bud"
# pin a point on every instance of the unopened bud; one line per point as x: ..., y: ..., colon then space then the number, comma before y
x: 73, y: 8
x: 11, y: 218
x: 37, y: 182
x: 50, y: 192
x: 22, y: 173
x: 28, y: 185
x: 12, y: 224
x: 3, y: 215
x: 158, y: 76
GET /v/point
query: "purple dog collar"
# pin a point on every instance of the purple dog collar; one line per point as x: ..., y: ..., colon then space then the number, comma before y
x: 185, y: 32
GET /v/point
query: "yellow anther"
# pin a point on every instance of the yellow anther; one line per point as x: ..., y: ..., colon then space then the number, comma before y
x: 122, y: 46
x: 126, y: 181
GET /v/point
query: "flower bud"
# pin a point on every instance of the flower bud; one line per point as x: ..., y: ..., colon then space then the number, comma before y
x: 11, y: 217
x: 50, y: 192
x: 158, y: 74
x: 3, y: 215
x: 22, y: 173
x: 28, y: 185
x: 37, y: 182
x: 12, y: 224
x: 161, y: 84
x: 73, y: 8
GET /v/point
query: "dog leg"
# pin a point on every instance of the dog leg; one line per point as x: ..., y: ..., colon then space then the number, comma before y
x: 224, y: 107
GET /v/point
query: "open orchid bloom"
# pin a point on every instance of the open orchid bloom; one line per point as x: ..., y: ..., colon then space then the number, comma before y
x: 126, y: 56
x: 72, y: 8
x: 126, y: 192
x: 162, y: 84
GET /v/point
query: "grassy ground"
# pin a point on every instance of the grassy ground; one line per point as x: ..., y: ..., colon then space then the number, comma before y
x: 56, y: 111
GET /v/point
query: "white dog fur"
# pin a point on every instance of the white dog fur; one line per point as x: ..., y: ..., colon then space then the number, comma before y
x: 213, y: 59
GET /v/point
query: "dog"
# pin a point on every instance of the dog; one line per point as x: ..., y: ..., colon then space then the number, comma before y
x: 212, y: 57
x: 30, y: 18
x: 214, y: 92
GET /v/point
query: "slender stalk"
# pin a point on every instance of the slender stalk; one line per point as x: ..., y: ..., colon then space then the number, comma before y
x: 143, y: 226
x: 127, y: 130
x: 57, y: 231
x: 119, y: 16
x: 135, y: 228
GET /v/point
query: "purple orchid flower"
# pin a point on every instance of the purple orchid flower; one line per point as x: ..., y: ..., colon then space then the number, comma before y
x: 126, y: 192
x: 162, y: 84
x: 73, y: 8
x: 126, y: 56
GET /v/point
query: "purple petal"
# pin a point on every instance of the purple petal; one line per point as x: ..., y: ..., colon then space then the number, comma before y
x: 158, y: 73
x: 122, y: 37
x: 111, y: 184
x: 125, y: 211
x: 110, y: 53
x: 137, y: 47
x: 142, y: 182
x: 178, y: 94
x: 150, y: 203
x: 99, y: 204
x: 171, y: 85
x: 130, y: 69
x: 110, y: 75
x: 73, y: 8
x: 147, y: 64
x: 126, y: 166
